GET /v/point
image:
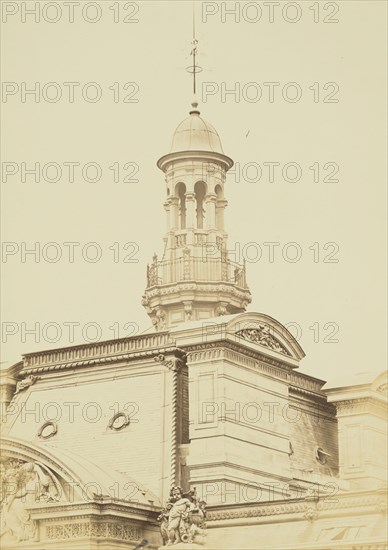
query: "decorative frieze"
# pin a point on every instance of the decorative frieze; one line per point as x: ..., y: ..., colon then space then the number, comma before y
x: 93, y: 529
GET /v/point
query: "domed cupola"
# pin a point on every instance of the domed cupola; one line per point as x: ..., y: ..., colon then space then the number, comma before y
x: 195, y: 138
x: 195, y: 279
x: 196, y: 134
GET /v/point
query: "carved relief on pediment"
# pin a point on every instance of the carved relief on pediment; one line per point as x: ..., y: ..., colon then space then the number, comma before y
x: 262, y: 336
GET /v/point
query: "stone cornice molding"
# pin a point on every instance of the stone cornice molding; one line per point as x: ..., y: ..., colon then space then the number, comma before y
x: 106, y: 508
x: 192, y: 286
x: 197, y: 353
x: 360, y: 406
x: 85, y: 352
x: 165, y: 162
x: 142, y: 355
x: 201, y: 352
x: 319, y: 398
x: 366, y: 504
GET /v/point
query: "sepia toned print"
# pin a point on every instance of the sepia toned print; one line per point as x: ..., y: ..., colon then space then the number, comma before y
x: 162, y: 383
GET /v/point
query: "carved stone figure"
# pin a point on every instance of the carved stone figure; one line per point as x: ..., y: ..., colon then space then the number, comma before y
x: 221, y: 310
x: 159, y: 321
x: 163, y: 518
x: 23, y: 484
x: 183, y: 518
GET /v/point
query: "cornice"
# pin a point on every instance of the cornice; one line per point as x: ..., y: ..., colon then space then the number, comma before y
x: 252, y: 359
x: 54, y: 367
x: 108, y: 348
x: 200, y: 352
x: 211, y: 287
x: 185, y: 156
x: 361, y: 405
x: 301, y: 509
x: 106, y: 509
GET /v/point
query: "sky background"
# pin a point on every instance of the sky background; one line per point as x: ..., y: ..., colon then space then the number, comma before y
x: 348, y: 295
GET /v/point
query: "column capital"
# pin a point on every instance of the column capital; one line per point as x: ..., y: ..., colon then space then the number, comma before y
x: 222, y: 203
x: 210, y: 197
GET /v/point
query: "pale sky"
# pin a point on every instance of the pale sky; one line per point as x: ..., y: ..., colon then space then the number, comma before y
x: 235, y: 54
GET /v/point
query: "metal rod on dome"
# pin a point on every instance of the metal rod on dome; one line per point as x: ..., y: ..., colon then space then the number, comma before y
x: 194, y: 69
x: 194, y: 52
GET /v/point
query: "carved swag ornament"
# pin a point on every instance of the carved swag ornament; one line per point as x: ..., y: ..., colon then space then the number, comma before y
x: 261, y: 335
x: 183, y: 518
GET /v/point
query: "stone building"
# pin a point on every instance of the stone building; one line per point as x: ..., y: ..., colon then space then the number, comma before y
x: 95, y: 436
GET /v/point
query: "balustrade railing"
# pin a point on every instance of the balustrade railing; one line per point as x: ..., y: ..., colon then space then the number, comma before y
x: 196, y: 269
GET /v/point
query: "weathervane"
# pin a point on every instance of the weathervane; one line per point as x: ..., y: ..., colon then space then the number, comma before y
x: 194, y: 69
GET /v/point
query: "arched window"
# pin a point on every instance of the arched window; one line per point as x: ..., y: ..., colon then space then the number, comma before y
x: 180, y: 191
x: 200, y: 192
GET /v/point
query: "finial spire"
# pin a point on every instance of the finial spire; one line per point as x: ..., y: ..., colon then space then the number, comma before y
x: 194, y: 53
x: 194, y: 69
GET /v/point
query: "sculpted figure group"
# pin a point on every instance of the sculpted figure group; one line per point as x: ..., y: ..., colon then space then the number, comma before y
x: 23, y: 484
x: 183, y: 518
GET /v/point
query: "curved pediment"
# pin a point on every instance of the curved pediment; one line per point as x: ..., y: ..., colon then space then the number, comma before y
x: 257, y: 331
x: 58, y: 475
x: 264, y: 333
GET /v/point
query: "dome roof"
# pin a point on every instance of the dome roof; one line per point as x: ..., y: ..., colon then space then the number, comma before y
x: 196, y: 134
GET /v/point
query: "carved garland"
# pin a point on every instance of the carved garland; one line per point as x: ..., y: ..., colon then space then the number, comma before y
x: 261, y: 335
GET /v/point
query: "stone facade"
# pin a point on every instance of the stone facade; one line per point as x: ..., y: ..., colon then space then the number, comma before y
x: 203, y: 425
